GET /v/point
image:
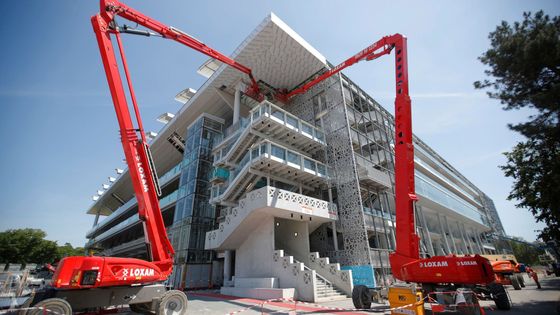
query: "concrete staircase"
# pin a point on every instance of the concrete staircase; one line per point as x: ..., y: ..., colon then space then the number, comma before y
x: 326, y: 291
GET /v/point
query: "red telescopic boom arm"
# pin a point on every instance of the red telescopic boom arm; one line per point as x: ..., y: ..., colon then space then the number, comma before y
x: 111, y: 8
x: 137, y: 153
x: 406, y: 263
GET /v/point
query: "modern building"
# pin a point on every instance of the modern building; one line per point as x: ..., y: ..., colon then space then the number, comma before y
x: 294, y: 199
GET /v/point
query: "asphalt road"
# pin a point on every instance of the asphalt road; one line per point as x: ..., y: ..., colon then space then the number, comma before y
x: 532, y: 301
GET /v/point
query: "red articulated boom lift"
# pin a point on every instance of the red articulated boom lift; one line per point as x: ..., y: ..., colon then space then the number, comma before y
x: 86, y: 283
x: 442, y: 272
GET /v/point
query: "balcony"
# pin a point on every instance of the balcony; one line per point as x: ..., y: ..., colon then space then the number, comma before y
x: 163, y: 180
x: 270, y: 159
x: 164, y: 204
x: 370, y: 176
x: 268, y: 201
x: 429, y: 189
x: 266, y: 121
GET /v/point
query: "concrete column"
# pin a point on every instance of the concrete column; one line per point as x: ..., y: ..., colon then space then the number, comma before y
x: 451, y: 235
x: 227, y: 266
x: 96, y: 219
x: 391, y: 229
x: 468, y: 239
x: 443, y: 234
x: 463, y: 238
x: 335, y: 237
x: 333, y: 224
x: 237, y: 103
x: 477, y: 238
x: 426, y: 231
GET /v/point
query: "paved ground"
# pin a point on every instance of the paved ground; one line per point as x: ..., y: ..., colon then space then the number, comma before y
x: 528, y: 301
x: 532, y: 301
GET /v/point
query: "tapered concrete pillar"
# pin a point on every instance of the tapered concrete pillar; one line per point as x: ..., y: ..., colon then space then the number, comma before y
x: 429, y: 243
x: 237, y: 103
x: 96, y: 220
x: 227, y: 266
x: 479, y: 242
x: 443, y: 234
x: 469, y: 239
x: 451, y: 235
x: 465, y: 244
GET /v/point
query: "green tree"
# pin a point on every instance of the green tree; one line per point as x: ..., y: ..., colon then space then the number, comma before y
x: 526, y: 253
x: 67, y: 250
x: 26, y: 245
x: 524, y: 71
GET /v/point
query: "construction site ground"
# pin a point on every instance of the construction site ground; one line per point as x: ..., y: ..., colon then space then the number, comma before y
x: 527, y: 301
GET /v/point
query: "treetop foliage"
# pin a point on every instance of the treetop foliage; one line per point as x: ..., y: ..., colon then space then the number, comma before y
x: 524, y: 72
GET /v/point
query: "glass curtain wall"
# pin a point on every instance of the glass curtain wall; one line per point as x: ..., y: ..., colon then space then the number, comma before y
x: 194, y: 215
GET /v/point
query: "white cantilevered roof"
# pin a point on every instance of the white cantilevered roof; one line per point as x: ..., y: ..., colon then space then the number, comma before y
x: 276, y: 54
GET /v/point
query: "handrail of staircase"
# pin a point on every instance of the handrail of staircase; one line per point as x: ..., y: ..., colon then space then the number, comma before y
x: 305, y: 267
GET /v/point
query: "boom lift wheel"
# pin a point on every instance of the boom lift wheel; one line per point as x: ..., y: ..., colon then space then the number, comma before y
x: 361, y: 297
x: 173, y: 302
x: 520, y: 279
x: 50, y: 306
x: 499, y: 295
x: 515, y: 282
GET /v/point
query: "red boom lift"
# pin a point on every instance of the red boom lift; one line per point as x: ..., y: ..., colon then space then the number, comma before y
x: 82, y: 283
x: 91, y: 282
x: 442, y: 272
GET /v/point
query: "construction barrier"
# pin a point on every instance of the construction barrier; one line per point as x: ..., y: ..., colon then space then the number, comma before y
x: 464, y: 302
x: 296, y: 303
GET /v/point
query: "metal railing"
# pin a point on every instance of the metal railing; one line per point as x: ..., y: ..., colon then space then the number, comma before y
x: 270, y: 150
x: 163, y: 180
x: 266, y: 109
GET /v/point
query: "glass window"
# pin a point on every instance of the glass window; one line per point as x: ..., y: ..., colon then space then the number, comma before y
x: 307, y: 128
x: 256, y: 114
x: 293, y: 158
x: 278, y: 114
x: 292, y: 121
x: 278, y: 152
x: 263, y: 148
x: 255, y: 153
x: 309, y: 164
x: 321, y: 169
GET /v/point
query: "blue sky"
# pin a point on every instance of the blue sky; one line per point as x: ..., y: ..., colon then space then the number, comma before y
x: 59, y: 138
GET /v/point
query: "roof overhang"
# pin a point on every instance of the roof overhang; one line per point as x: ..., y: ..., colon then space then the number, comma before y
x: 277, y: 56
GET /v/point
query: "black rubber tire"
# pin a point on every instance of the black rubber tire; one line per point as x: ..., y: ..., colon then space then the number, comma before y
x: 499, y: 295
x: 54, y: 306
x: 173, y: 302
x: 141, y: 308
x: 515, y: 282
x: 361, y: 297
x: 520, y: 279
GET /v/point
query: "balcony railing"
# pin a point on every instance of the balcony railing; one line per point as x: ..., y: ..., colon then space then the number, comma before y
x: 428, y: 188
x: 278, y: 153
x: 266, y: 109
x: 163, y: 203
x: 163, y: 180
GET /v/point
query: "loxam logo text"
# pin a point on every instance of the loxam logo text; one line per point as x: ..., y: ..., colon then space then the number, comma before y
x: 137, y: 272
x: 430, y: 264
x: 467, y: 263
x: 142, y: 173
